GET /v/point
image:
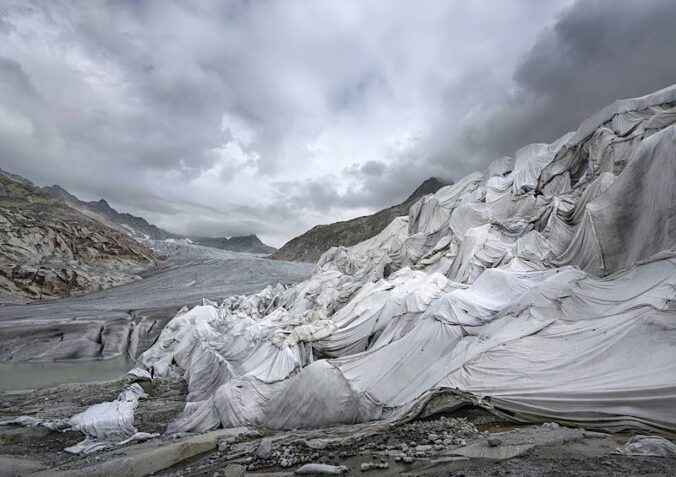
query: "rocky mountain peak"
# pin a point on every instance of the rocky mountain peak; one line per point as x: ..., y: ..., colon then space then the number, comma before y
x: 309, y: 246
x: 429, y: 186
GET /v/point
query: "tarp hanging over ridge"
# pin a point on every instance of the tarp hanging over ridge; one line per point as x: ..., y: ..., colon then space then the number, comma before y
x: 544, y: 286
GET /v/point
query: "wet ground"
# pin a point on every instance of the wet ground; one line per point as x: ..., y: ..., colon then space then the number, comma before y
x: 469, y: 441
x: 36, y: 375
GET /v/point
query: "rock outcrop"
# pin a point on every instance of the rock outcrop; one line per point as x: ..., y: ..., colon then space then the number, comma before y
x: 51, y: 250
x: 103, y: 212
x: 139, y: 227
x: 309, y: 246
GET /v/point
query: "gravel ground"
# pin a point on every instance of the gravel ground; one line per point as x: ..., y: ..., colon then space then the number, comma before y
x: 165, y: 402
x: 432, y: 446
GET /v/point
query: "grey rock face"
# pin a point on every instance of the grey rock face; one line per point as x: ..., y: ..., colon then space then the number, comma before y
x: 50, y: 250
x: 102, y: 211
x: 264, y: 449
x: 140, y: 228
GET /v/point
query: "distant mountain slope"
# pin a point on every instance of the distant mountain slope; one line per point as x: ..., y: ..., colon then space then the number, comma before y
x: 309, y: 246
x: 140, y: 228
x: 49, y: 249
x: 245, y: 243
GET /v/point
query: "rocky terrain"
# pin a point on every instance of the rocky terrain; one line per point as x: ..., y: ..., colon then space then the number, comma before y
x: 54, y: 245
x: 141, y: 229
x: 466, y: 441
x: 51, y: 250
x: 309, y: 246
x: 103, y: 212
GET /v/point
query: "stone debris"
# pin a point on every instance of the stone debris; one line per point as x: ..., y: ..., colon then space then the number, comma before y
x: 366, y: 466
x: 264, y: 450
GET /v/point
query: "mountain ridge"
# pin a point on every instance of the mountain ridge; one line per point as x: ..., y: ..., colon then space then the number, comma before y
x: 240, y: 243
x: 309, y: 246
x: 49, y: 249
x: 142, y: 229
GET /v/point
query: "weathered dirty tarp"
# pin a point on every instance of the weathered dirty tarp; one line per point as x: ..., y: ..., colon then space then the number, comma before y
x: 544, y: 287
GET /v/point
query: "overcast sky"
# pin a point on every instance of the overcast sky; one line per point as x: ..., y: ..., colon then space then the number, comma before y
x: 269, y: 117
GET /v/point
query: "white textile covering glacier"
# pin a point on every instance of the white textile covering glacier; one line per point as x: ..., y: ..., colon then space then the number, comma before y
x: 544, y: 287
x: 105, y: 425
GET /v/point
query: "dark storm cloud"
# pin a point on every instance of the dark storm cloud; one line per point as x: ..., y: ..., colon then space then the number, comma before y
x: 373, y: 168
x: 233, y: 117
x: 596, y: 52
x: 14, y: 81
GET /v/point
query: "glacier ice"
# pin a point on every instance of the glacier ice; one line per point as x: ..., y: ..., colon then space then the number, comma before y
x: 544, y: 287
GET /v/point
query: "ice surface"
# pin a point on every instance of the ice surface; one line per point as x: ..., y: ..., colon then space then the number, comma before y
x: 543, y: 287
x: 128, y: 318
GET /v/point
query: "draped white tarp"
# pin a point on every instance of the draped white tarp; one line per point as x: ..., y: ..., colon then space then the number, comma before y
x: 105, y: 425
x: 544, y: 287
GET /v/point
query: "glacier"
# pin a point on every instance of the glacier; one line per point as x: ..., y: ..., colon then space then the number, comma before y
x: 543, y: 289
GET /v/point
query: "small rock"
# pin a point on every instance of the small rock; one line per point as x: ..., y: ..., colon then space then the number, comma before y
x: 234, y: 470
x: 407, y: 459
x: 366, y: 466
x: 264, y: 450
x: 432, y: 437
x: 493, y: 441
